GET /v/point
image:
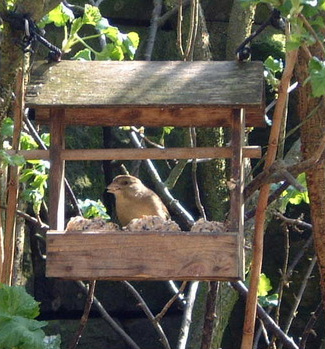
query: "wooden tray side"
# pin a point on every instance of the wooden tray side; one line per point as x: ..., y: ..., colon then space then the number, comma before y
x: 143, y: 256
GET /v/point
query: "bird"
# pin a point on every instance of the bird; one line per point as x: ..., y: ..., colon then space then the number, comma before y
x: 135, y: 200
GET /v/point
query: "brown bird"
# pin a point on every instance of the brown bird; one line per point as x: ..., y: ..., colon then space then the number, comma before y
x: 135, y: 200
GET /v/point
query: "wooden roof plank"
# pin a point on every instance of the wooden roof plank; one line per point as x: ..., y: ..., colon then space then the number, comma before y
x: 106, y: 84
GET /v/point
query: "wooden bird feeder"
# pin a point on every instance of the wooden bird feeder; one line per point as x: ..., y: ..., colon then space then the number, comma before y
x: 154, y: 94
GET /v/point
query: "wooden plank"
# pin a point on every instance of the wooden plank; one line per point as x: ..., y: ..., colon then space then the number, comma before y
x: 200, y: 116
x: 142, y: 256
x: 237, y: 179
x: 57, y: 170
x: 141, y: 154
x: 138, y: 83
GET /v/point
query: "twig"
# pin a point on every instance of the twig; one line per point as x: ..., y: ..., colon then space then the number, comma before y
x: 310, y: 324
x: 85, y: 315
x: 149, y: 141
x: 13, y: 186
x: 268, y: 321
x: 175, y: 173
x: 149, y: 314
x: 284, y: 273
x: 194, y: 177
x: 163, y: 191
x: 298, y: 298
x: 188, y: 54
x: 175, y: 290
x: 187, y: 317
x: 179, y: 28
x: 127, y: 339
x: 153, y: 29
x: 178, y: 8
x: 209, y: 319
x: 267, y: 176
x: 159, y: 316
x: 277, y: 192
x: 42, y: 145
x: 250, y: 311
x: 312, y: 31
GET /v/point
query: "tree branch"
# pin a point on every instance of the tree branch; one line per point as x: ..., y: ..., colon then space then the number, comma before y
x: 267, y: 320
x: 109, y: 319
x: 85, y: 315
x: 149, y: 314
x: 251, y: 304
x: 153, y: 29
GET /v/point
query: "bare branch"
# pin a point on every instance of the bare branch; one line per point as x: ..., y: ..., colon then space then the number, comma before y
x: 194, y: 177
x: 153, y: 29
x: 187, y: 317
x: 85, y: 315
x: 159, y: 316
x: 251, y: 304
x: 149, y: 314
x: 109, y: 319
x: 310, y: 324
x: 312, y: 32
x: 268, y: 321
x: 300, y: 294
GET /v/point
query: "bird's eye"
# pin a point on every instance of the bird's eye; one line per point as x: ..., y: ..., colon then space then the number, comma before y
x: 125, y: 182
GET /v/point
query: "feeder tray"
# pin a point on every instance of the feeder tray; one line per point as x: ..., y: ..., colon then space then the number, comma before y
x: 153, y: 94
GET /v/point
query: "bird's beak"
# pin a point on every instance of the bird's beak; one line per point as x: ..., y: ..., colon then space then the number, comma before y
x: 113, y: 187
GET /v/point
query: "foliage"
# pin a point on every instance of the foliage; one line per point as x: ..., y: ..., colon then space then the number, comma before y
x: 120, y: 46
x: 272, y: 68
x: 18, y: 327
x: 91, y: 209
x: 264, y: 298
x: 295, y: 11
x: 293, y: 195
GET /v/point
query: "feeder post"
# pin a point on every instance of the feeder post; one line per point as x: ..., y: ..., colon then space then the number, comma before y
x: 237, y: 180
x: 56, y: 178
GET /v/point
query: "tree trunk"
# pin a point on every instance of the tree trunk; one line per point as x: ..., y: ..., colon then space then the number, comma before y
x: 312, y: 131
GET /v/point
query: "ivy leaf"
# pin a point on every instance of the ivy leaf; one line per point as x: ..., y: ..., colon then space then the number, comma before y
x: 91, y: 209
x: 317, y: 77
x: 130, y: 43
x: 91, y: 15
x: 14, y: 300
x: 14, y: 160
x: 83, y: 55
x: 274, y: 65
x: 7, y: 129
x: 267, y: 301
x: 110, y: 52
x: 264, y: 285
x: 59, y: 16
x: 22, y: 333
x: 111, y: 33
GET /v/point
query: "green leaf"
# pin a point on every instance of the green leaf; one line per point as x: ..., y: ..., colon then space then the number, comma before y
x: 75, y: 26
x: 83, y: 55
x: 91, y: 209
x: 22, y: 333
x: 267, y: 301
x: 91, y: 15
x: 27, y: 142
x: 264, y: 285
x: 112, y: 33
x: 46, y: 138
x: 7, y: 129
x: 14, y: 300
x: 59, y: 16
x: 317, y: 76
x: 110, y: 52
x: 130, y: 43
x: 11, y: 160
x: 274, y: 65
